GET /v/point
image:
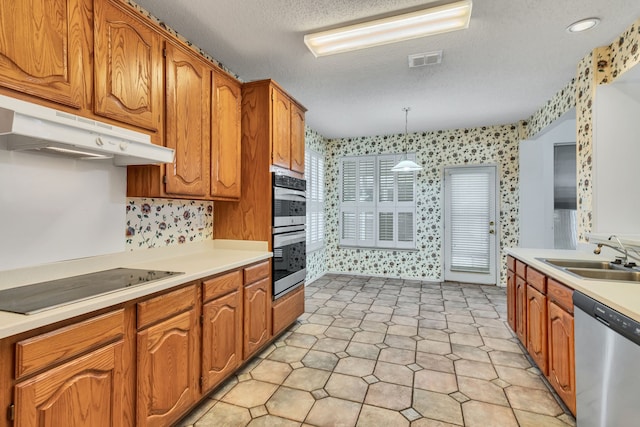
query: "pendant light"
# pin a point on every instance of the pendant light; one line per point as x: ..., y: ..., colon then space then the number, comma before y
x: 406, y: 165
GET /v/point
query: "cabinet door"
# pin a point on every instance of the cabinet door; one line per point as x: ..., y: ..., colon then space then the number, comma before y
x: 511, y: 299
x: 226, y: 142
x: 537, y: 327
x: 128, y: 67
x: 281, y: 137
x: 221, y: 338
x: 257, y: 316
x: 521, y: 310
x: 168, y: 362
x: 188, y: 101
x: 87, y: 391
x: 561, y: 355
x: 44, y: 49
x: 297, y: 139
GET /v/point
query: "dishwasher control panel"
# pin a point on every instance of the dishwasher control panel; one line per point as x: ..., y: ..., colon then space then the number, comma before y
x: 615, y: 320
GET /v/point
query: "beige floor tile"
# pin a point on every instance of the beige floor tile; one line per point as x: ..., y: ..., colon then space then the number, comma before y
x: 321, y: 319
x: 434, y: 347
x: 308, y: 379
x: 457, y: 318
x: 441, y: 382
x: 272, y: 421
x: 271, y: 371
x: 398, y: 341
x: 482, y: 390
x: 290, y: 403
x: 404, y: 320
x: 339, y: 333
x: 370, y: 326
x: 258, y: 411
x: 507, y: 358
x: 392, y: 373
x: 480, y: 414
x: 334, y: 412
x: 502, y: 333
x: 196, y: 413
x: 250, y: 393
x: 397, y: 355
x: 288, y: 354
x: 224, y: 388
x: 520, y: 377
x: 224, y: 414
x: 390, y: 396
x: 426, y: 422
x: 463, y: 328
x: 404, y: 330
x: 466, y: 339
x: 470, y: 353
x: 366, y: 351
x: 470, y: 368
x: 502, y: 345
x: 301, y: 340
x: 437, y: 406
x: 432, y: 324
x: 435, y: 362
x: 346, y: 323
x: 368, y: 337
x: 490, y: 323
x: 311, y: 329
x: 346, y: 387
x: 356, y: 366
x: 332, y: 345
x: 529, y: 419
x: 532, y: 400
x: 374, y: 416
x: 433, y: 334
x: 320, y: 360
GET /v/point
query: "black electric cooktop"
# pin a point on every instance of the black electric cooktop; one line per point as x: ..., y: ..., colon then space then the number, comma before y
x: 31, y: 299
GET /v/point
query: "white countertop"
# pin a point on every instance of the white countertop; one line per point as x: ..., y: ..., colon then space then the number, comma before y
x: 621, y: 296
x: 196, y: 260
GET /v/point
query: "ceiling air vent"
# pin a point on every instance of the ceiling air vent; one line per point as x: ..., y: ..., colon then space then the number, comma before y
x: 422, y: 59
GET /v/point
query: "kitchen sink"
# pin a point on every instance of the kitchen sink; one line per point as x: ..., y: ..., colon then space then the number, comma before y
x: 578, y: 263
x: 619, y: 275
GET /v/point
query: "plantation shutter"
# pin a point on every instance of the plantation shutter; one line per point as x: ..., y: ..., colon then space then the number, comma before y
x: 314, y: 175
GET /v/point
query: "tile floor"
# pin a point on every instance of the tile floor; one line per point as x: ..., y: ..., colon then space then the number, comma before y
x: 371, y: 351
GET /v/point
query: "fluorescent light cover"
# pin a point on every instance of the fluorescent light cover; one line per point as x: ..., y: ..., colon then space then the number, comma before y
x: 85, y: 154
x: 583, y: 25
x: 426, y: 22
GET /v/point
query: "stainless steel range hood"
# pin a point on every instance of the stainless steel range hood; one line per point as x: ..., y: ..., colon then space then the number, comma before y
x: 25, y: 126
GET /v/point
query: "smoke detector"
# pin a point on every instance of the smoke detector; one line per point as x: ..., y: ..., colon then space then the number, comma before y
x: 422, y: 59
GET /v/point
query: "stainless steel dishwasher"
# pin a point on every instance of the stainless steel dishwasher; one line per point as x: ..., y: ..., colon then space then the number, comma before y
x: 607, y: 365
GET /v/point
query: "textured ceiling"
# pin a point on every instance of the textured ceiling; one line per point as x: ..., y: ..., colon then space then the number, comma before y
x: 513, y: 58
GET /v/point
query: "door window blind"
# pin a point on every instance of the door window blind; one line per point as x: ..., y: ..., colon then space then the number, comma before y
x: 314, y: 175
x: 470, y: 216
x: 377, y: 206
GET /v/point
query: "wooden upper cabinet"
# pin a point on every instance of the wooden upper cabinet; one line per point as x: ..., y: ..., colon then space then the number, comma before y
x: 45, y: 48
x: 128, y: 67
x: 281, y: 149
x: 226, y: 138
x: 297, y: 138
x: 188, y: 122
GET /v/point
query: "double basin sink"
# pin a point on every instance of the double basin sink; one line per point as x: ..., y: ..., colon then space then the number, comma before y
x: 595, y: 270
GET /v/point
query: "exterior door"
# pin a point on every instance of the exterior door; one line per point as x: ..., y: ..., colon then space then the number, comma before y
x: 470, y: 224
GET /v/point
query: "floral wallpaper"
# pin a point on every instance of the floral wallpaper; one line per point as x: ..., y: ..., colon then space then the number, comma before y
x: 316, y: 260
x: 625, y: 51
x: 486, y: 145
x: 153, y: 223
x: 561, y: 102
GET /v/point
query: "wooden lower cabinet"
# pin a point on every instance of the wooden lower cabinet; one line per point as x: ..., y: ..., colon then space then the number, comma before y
x: 87, y: 391
x: 287, y: 309
x: 537, y: 327
x: 257, y: 316
x: 562, y: 355
x: 168, y: 361
x: 221, y: 338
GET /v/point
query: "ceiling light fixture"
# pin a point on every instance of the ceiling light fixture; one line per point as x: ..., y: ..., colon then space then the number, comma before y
x: 583, y: 25
x: 406, y: 165
x: 426, y: 22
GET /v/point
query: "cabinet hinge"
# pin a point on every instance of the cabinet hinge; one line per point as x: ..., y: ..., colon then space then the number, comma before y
x: 164, y: 52
x: 164, y: 179
x: 12, y: 412
x: 201, y: 382
x: 202, y: 319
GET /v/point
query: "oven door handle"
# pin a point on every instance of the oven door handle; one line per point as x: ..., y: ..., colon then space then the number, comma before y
x: 280, y: 240
x: 280, y: 193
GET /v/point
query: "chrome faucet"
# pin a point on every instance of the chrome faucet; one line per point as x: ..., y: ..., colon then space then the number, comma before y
x: 624, y: 260
x: 620, y: 248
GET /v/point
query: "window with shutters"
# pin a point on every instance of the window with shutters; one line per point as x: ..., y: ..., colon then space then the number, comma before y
x: 314, y: 175
x: 377, y: 206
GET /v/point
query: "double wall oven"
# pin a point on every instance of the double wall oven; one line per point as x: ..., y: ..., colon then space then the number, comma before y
x: 289, y: 235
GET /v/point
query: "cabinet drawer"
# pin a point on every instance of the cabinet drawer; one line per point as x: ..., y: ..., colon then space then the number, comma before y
x: 41, y: 351
x: 537, y: 280
x: 511, y: 263
x: 521, y: 268
x: 256, y: 272
x: 221, y: 285
x: 560, y: 294
x: 287, y: 309
x: 165, y: 306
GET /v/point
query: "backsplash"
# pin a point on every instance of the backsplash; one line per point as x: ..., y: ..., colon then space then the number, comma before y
x: 153, y: 223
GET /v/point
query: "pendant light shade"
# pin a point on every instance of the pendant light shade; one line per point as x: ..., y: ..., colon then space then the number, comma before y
x: 406, y: 165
